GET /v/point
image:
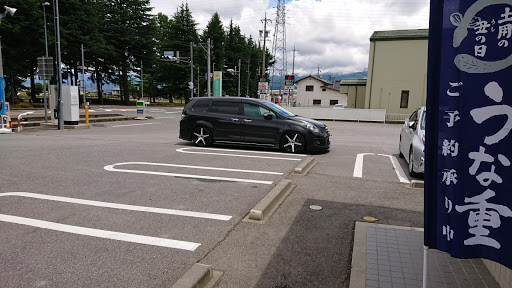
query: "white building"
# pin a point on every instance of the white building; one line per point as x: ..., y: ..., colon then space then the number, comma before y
x: 314, y: 91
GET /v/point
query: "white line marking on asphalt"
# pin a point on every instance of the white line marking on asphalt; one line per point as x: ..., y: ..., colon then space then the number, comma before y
x: 199, y: 167
x: 173, y: 112
x: 170, y: 117
x: 358, y: 167
x: 398, y: 169
x: 134, y: 125
x: 119, y: 206
x: 183, y: 150
x: 111, y: 168
x: 133, y: 238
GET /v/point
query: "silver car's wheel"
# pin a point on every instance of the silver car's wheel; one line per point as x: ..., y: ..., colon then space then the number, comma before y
x: 400, y: 154
x: 411, y: 163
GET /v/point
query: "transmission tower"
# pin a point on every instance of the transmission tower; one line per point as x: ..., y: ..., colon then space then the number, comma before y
x: 279, y: 46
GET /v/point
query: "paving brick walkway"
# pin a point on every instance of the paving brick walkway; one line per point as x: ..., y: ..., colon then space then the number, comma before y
x: 394, y: 258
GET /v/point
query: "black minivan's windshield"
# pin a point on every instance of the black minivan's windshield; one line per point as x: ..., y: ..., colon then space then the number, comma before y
x: 280, y: 110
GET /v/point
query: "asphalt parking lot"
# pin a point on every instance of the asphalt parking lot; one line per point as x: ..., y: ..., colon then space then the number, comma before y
x: 131, y: 205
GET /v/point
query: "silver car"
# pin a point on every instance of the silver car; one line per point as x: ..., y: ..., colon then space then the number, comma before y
x: 412, y: 141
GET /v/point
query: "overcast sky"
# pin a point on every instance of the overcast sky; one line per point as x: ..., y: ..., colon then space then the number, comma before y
x: 332, y: 34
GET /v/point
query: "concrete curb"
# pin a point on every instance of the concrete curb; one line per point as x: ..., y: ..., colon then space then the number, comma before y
x: 262, y: 211
x: 55, y: 126
x: 196, y: 277
x: 417, y: 184
x: 304, y: 166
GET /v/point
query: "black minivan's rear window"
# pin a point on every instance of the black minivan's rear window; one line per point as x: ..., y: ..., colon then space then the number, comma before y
x: 225, y: 107
x: 201, y: 106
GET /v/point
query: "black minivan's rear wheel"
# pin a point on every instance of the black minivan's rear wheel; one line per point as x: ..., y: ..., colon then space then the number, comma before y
x: 293, y: 142
x: 202, y: 136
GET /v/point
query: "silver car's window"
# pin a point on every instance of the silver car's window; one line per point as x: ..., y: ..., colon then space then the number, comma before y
x: 414, y: 117
x: 423, y: 118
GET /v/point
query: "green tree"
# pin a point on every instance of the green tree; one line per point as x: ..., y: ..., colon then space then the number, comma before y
x: 22, y: 42
x: 128, y: 29
x: 215, y: 32
x: 183, y: 32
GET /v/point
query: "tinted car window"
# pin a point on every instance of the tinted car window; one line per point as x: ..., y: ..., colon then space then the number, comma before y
x: 201, y: 106
x: 423, y: 118
x: 252, y: 110
x: 225, y: 107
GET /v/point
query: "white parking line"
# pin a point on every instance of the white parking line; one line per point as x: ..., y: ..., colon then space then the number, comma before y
x: 134, y: 125
x: 358, y: 166
x: 133, y: 238
x: 173, y: 112
x: 119, y: 206
x: 198, y: 167
x: 111, y: 168
x: 170, y: 117
x: 185, y: 150
x: 398, y: 169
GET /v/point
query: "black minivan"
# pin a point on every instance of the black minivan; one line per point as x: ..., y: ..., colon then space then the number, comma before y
x: 247, y: 121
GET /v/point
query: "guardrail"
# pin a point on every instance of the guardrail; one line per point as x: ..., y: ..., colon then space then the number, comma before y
x: 347, y: 114
x: 396, y: 118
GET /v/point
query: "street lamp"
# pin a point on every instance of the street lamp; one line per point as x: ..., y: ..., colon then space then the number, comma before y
x: 44, y: 63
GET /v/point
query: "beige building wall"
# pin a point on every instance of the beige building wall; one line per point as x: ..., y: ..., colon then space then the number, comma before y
x: 395, y: 66
x: 305, y: 98
x: 355, y: 96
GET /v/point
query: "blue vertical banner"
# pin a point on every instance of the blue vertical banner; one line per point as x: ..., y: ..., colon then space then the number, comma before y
x: 2, y: 96
x: 468, y: 183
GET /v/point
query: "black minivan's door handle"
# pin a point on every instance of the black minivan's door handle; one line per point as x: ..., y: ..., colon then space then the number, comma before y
x: 234, y: 119
x: 247, y: 120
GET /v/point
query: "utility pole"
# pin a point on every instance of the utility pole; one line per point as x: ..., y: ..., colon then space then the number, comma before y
x: 142, y: 83
x: 239, y: 72
x: 264, y: 21
x: 83, y: 71
x: 209, y: 80
x: 192, y: 70
x: 59, y: 72
x: 198, y: 95
x: 319, y: 71
x: 279, y: 46
x: 293, y: 61
x: 248, y: 75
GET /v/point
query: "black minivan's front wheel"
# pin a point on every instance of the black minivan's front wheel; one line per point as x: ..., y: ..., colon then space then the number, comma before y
x: 293, y: 142
x: 202, y: 136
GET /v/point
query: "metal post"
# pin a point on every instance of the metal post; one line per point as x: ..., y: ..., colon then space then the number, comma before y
x: 248, y: 75
x: 59, y: 73
x: 239, y: 71
x: 1, y: 64
x: 83, y: 71
x: 192, y: 69
x: 425, y: 257
x: 209, y: 80
x: 198, y: 95
x: 44, y: 63
x: 142, y: 83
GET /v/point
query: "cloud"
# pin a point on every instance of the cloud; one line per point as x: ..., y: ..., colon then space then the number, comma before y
x: 330, y: 34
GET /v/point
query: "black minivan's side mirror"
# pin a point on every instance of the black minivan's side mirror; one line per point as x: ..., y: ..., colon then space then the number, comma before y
x: 268, y: 116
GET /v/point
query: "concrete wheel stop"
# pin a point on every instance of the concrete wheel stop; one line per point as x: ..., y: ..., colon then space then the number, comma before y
x: 199, y: 276
x: 264, y: 209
